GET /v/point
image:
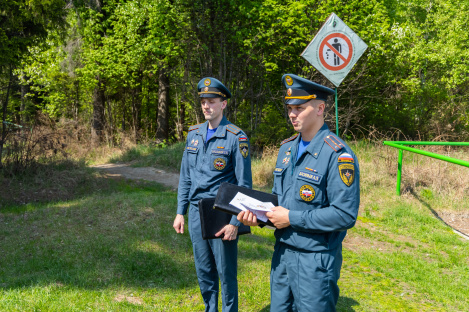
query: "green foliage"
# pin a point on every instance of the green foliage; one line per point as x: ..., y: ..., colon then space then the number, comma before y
x: 24, y: 22
x: 413, y: 77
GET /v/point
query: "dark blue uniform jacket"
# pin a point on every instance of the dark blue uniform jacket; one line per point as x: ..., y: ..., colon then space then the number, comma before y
x: 321, y: 190
x: 224, y: 158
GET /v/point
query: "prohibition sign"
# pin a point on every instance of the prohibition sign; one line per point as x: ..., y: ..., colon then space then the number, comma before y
x: 341, y: 55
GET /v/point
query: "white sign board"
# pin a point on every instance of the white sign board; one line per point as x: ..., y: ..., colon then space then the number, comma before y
x: 334, y: 50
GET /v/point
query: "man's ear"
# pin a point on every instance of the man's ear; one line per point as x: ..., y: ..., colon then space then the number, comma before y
x: 223, y: 104
x: 321, y: 108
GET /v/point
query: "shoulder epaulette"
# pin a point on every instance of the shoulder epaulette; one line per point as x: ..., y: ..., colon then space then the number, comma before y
x: 289, y: 139
x: 233, y: 129
x: 334, y: 143
x: 195, y: 127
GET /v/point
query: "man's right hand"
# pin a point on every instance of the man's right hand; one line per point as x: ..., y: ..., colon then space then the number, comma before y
x: 178, y: 224
x: 247, y: 218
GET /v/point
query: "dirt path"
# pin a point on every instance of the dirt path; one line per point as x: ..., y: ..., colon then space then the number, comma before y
x: 144, y: 173
x: 459, y: 221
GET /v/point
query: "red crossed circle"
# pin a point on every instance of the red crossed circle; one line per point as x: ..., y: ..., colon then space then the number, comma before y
x: 346, y: 61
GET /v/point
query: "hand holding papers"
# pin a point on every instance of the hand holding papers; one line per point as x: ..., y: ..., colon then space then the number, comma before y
x: 228, y: 191
x: 245, y: 202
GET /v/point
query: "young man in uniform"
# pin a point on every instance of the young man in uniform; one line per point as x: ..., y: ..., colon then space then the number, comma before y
x: 316, y: 179
x: 216, y: 151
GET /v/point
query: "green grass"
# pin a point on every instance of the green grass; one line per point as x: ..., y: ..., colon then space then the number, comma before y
x: 113, y: 248
x: 168, y: 157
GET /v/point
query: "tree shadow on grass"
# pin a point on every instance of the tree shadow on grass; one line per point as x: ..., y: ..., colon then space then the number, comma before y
x: 346, y: 304
x: 121, y: 236
x: 434, y: 212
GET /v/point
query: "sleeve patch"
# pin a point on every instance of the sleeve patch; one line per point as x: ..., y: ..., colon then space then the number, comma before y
x: 244, y: 149
x: 345, y: 158
x: 347, y: 173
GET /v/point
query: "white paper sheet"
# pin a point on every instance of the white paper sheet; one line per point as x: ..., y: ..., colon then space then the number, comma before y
x: 245, y: 202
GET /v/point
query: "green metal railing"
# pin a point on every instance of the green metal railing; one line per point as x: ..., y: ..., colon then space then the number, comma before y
x: 401, y: 146
x: 10, y: 123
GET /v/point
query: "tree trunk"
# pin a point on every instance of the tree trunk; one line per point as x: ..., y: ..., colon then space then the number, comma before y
x: 163, y: 99
x: 97, y: 131
x: 136, y: 106
x: 23, y: 115
x: 181, y: 122
x: 4, y: 117
x: 77, y: 100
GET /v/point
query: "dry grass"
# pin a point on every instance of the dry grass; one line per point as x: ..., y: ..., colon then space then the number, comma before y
x: 50, y: 162
x: 424, y: 176
x: 77, y: 139
x: 420, y: 172
x: 263, y: 167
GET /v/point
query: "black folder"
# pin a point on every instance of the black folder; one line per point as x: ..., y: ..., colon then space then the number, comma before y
x: 212, y: 221
x: 228, y: 191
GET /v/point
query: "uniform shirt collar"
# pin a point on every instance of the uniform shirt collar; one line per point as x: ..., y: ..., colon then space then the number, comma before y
x: 315, y: 146
x: 221, y: 129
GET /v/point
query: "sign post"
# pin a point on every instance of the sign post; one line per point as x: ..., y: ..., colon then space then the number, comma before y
x: 333, y: 52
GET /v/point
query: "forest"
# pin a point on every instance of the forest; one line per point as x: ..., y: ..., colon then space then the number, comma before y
x: 92, y: 86
x: 109, y: 69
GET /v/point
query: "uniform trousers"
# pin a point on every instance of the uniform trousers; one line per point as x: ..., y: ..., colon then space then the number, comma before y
x: 214, y: 259
x: 304, y: 281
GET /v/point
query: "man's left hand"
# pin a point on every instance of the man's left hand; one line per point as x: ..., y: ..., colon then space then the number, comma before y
x: 279, y: 217
x: 230, y: 232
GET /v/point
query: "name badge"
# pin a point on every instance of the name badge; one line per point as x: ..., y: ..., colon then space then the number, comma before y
x: 278, y: 170
x: 310, y: 176
x: 220, y: 152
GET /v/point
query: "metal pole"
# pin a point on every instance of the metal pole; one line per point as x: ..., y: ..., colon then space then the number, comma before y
x: 429, y: 154
x: 399, y: 171
x: 429, y: 143
x: 336, y: 115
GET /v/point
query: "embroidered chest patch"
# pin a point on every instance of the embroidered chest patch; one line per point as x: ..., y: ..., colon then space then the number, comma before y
x: 244, y: 149
x: 307, y: 193
x: 219, y: 163
x: 347, y: 173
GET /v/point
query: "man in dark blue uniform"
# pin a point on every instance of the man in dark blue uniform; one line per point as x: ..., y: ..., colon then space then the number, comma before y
x: 216, y: 151
x: 316, y: 179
